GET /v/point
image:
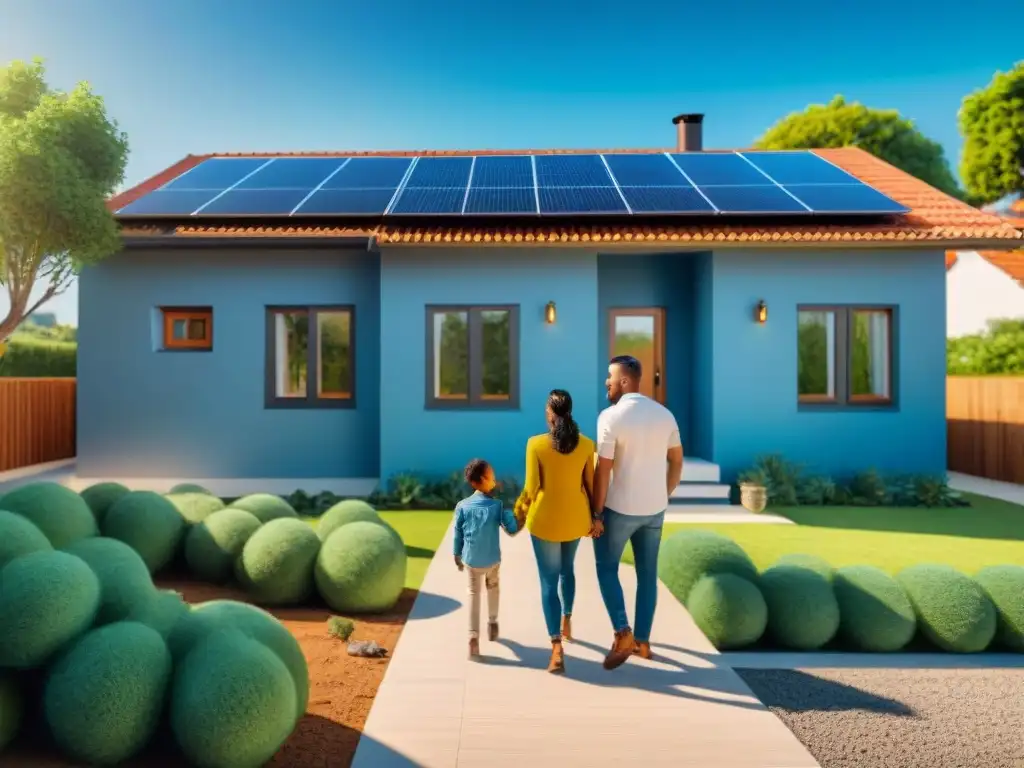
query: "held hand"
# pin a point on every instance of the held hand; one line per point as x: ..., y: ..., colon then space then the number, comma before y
x: 596, y: 528
x: 458, y: 562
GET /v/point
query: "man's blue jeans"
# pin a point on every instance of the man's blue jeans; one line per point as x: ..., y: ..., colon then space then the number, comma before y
x: 644, y: 533
x: 555, y: 566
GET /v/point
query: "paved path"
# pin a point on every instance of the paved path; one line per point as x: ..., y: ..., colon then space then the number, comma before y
x: 438, y: 710
x: 985, y: 487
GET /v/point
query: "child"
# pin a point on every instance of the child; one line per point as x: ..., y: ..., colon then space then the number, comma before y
x: 477, y: 519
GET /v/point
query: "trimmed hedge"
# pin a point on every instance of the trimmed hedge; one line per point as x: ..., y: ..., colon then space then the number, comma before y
x: 728, y: 609
x: 361, y: 568
x: 233, y: 702
x: 29, y: 358
x: 265, y: 506
x: 118, y: 674
x: 212, y: 546
x: 344, y: 512
x: 190, y: 488
x: 1004, y: 585
x: 124, y: 578
x: 276, y: 564
x: 875, y: 612
x: 953, y: 611
x: 195, y: 507
x: 817, y: 564
x: 162, y: 611
x: 802, y: 610
x: 60, y: 513
x: 101, y: 497
x: 18, y: 536
x: 688, y: 555
x: 12, y: 711
x: 149, y: 524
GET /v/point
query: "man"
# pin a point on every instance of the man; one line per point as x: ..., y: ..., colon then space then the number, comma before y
x: 636, y: 436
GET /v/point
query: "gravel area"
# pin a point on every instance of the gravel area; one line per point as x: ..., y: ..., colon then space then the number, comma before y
x: 900, y: 718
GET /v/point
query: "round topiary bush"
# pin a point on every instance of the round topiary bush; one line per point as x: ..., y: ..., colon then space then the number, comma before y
x: 687, y: 555
x: 728, y: 609
x: 1004, y: 585
x: 232, y: 702
x: 149, y: 524
x: 276, y: 564
x: 101, y: 497
x: 124, y: 577
x: 195, y: 507
x: 344, y: 512
x: 11, y: 711
x: 60, y: 513
x: 361, y: 568
x: 161, y: 611
x: 18, y: 536
x: 212, y: 546
x: 206, y: 618
x: 104, y: 697
x: 875, y: 613
x: 266, y: 506
x: 47, y: 599
x: 812, y: 562
x: 952, y: 610
x: 802, y: 610
x: 189, y: 488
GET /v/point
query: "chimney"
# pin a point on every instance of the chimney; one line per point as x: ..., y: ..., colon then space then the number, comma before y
x: 689, y: 132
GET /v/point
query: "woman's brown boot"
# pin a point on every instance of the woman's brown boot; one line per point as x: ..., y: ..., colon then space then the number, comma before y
x: 557, y: 664
x: 567, y: 628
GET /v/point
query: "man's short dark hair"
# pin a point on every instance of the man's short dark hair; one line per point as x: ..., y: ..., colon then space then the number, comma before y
x: 475, y: 471
x: 630, y: 366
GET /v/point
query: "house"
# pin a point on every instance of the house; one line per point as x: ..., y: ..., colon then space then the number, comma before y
x: 981, y: 287
x: 347, y: 342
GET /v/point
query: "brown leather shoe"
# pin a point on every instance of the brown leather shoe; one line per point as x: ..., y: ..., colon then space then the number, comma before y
x: 622, y: 649
x: 492, y: 631
x: 567, y: 628
x: 557, y: 664
x: 643, y: 650
x: 474, y: 648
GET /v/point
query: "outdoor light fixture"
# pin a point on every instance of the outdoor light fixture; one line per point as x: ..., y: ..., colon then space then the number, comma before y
x: 761, y: 312
x: 549, y: 313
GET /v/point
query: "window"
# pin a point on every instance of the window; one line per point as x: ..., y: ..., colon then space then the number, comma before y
x: 310, y: 357
x: 845, y: 355
x: 188, y: 328
x: 473, y: 357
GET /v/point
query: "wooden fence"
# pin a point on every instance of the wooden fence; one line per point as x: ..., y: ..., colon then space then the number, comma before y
x: 37, y: 421
x: 985, y: 426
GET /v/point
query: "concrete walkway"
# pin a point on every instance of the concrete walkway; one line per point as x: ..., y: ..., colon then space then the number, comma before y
x: 438, y: 710
x: 985, y: 487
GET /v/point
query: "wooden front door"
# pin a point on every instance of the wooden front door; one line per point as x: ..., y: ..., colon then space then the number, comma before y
x: 640, y: 332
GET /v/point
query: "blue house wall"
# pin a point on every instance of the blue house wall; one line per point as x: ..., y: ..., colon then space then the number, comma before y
x: 753, y: 392
x: 143, y: 412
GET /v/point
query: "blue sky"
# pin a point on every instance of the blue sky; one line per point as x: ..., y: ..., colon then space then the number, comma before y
x: 221, y: 75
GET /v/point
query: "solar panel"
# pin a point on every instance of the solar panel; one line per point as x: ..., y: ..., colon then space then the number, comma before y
x: 503, y: 171
x: 255, y: 202
x: 169, y: 202
x: 718, y: 168
x: 501, y: 200
x: 292, y: 173
x: 429, y: 201
x: 666, y: 200
x: 753, y: 199
x: 572, y: 171
x: 645, y: 171
x: 844, y: 198
x: 370, y: 173
x: 799, y: 168
x: 217, y: 173
x: 441, y: 172
x: 585, y: 200
x: 354, y: 202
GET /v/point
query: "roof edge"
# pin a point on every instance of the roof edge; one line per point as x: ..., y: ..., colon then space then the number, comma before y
x: 156, y: 181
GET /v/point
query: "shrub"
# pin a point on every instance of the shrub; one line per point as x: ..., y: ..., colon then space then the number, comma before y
x: 1004, y: 585
x: 232, y: 702
x: 779, y: 477
x: 118, y: 674
x: 123, y: 576
x: 728, y: 609
x: 11, y: 711
x: 212, y: 547
x: 149, y: 524
x: 195, y: 507
x: 101, y: 497
x: 27, y: 357
x: 276, y: 564
x: 812, y: 562
x: 344, y: 512
x: 340, y: 627
x: 266, y: 506
x: 47, y: 599
x: 18, y: 536
x: 206, y: 618
x: 189, y: 488
x: 687, y: 555
x: 952, y: 610
x: 361, y: 568
x: 161, y: 611
x: 60, y: 513
x: 875, y: 613
x: 802, y: 610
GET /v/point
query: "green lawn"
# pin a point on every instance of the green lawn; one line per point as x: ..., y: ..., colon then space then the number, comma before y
x: 422, y: 533
x: 989, y: 532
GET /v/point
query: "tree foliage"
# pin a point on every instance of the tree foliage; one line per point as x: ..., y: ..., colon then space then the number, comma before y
x: 882, y: 132
x: 61, y: 157
x: 999, y: 350
x: 992, y: 124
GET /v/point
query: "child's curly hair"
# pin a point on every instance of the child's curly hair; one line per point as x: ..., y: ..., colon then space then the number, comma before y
x: 475, y: 471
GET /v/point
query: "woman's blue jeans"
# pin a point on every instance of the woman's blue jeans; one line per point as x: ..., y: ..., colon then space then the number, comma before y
x: 555, y: 566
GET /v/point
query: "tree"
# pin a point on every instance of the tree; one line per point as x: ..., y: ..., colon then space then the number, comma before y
x: 61, y: 157
x: 882, y: 132
x: 999, y: 350
x: 992, y: 124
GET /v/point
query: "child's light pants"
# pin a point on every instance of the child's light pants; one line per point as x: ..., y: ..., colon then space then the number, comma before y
x: 489, y: 578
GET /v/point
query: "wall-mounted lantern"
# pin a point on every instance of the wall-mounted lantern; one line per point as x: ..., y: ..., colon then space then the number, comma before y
x: 761, y: 312
x: 549, y: 313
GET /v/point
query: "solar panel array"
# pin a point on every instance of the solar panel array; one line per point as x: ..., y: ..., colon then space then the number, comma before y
x: 713, y: 183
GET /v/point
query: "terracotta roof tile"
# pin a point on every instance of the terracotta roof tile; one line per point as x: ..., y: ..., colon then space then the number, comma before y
x: 1011, y: 262
x: 950, y: 259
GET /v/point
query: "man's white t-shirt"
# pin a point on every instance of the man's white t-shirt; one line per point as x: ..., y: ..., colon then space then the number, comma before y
x: 636, y: 433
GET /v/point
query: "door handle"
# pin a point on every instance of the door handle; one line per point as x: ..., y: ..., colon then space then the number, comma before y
x: 657, y: 378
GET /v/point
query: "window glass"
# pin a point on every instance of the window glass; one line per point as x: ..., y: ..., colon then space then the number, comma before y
x: 816, y: 355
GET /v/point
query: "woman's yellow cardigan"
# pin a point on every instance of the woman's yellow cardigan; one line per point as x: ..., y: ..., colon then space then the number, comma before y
x: 556, y: 496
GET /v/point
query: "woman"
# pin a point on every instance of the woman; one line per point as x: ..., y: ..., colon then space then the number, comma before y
x: 556, y: 504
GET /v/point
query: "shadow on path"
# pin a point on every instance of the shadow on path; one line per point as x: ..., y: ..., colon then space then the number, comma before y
x: 432, y: 606
x: 794, y: 691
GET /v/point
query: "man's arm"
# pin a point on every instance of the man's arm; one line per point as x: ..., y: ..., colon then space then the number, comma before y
x: 459, y: 537
x: 674, y: 473
x: 605, y: 460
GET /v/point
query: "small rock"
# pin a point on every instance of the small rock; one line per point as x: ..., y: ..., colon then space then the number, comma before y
x: 367, y: 648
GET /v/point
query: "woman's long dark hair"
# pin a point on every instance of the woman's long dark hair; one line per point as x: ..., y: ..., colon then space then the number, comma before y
x: 565, y: 433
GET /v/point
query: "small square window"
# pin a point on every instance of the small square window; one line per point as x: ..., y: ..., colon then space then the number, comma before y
x: 310, y: 357
x: 188, y: 328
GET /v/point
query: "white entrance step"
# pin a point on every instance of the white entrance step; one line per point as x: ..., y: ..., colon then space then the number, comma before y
x: 687, y: 490
x: 700, y: 471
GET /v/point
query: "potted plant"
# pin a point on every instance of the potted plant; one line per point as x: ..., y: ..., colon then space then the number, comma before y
x: 753, y: 491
